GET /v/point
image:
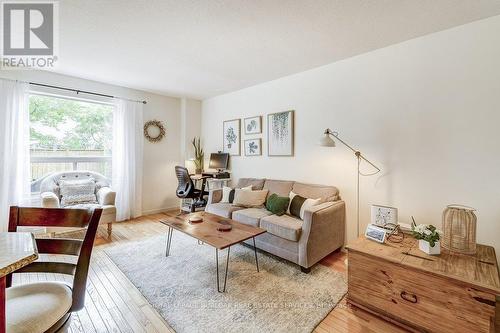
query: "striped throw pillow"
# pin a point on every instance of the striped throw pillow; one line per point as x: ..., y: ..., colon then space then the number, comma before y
x: 299, y: 204
x: 228, y: 193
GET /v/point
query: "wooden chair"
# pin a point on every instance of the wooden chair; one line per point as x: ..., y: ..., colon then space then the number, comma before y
x: 47, y: 306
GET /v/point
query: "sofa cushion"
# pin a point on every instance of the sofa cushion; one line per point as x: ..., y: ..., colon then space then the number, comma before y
x: 276, y: 204
x: 35, y: 307
x: 284, y: 226
x: 108, y: 211
x: 77, y: 191
x: 257, y: 184
x: 250, y: 216
x: 280, y: 187
x: 326, y: 193
x: 228, y: 193
x: 223, y: 209
x: 299, y: 204
x: 249, y: 199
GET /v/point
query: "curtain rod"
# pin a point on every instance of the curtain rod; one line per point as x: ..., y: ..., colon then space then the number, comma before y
x: 78, y: 91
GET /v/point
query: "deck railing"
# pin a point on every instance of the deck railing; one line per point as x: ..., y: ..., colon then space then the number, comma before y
x: 44, y: 163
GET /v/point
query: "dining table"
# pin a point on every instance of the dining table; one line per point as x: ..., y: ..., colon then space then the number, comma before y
x: 17, y: 249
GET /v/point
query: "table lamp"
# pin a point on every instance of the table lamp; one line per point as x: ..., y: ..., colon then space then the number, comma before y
x: 328, y: 141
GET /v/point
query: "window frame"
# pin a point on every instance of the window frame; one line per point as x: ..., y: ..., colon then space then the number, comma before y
x: 74, y: 160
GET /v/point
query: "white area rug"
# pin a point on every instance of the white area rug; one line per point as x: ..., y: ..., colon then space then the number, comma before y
x: 182, y: 287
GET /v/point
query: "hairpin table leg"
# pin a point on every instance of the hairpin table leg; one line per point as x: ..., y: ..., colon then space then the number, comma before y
x: 255, y: 251
x: 217, y: 269
x: 169, y: 241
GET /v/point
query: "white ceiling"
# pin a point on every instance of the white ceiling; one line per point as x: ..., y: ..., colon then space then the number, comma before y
x: 203, y: 48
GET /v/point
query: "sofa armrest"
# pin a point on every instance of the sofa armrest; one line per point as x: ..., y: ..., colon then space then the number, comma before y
x: 49, y: 200
x: 106, y: 196
x: 214, y: 196
x: 323, y: 231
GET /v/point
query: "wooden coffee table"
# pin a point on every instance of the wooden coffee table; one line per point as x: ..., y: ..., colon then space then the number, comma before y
x: 206, y: 232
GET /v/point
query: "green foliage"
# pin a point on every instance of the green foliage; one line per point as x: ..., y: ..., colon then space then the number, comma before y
x: 426, y: 232
x: 65, y: 124
x: 199, y: 155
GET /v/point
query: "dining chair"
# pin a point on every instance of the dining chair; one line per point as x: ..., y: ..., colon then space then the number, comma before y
x: 47, y: 306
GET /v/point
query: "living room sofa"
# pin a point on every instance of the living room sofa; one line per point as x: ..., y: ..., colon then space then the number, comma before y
x: 304, y: 242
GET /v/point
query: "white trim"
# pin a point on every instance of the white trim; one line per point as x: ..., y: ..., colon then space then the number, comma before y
x: 158, y: 210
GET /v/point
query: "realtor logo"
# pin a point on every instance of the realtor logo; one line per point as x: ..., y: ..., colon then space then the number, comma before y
x: 29, y: 34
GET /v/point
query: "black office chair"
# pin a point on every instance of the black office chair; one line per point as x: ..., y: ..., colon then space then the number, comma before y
x: 187, y: 190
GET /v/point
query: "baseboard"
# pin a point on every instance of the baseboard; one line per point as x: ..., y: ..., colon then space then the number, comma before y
x: 158, y: 210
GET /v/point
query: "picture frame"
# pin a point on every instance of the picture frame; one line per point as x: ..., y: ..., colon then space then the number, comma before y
x: 375, y: 233
x: 253, y: 147
x: 383, y: 215
x: 280, y: 133
x: 231, y: 137
x: 253, y: 125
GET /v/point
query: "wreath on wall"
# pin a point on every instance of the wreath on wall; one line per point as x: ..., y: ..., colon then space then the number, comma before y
x: 154, y: 131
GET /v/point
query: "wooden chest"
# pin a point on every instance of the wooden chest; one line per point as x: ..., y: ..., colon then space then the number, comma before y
x: 445, y: 293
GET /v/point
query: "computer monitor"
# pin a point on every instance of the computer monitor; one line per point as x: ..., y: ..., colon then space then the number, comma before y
x: 218, y: 161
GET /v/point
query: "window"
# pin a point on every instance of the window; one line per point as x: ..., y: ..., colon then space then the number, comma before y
x: 68, y: 134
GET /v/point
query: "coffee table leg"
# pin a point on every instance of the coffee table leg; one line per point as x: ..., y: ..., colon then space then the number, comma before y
x: 169, y: 241
x: 227, y: 269
x: 255, y: 251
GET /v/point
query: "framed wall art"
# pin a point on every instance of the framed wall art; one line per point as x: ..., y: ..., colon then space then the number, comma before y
x: 232, y: 138
x: 253, y: 125
x: 253, y: 147
x: 383, y: 215
x: 280, y: 133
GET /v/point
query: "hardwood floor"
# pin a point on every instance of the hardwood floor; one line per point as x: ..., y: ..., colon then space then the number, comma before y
x: 113, y: 304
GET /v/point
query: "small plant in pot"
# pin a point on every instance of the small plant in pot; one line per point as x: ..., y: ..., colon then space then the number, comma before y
x: 199, y: 155
x: 428, y: 238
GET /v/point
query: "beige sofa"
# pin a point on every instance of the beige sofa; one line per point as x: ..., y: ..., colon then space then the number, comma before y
x: 302, y: 242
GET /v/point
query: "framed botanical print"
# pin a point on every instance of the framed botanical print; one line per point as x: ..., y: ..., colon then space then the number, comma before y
x: 253, y: 147
x: 253, y: 125
x: 280, y: 133
x: 232, y: 138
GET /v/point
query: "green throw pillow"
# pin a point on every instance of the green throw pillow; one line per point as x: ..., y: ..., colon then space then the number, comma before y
x: 277, y: 205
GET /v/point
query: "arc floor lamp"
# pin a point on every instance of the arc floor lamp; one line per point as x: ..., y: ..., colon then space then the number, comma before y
x: 328, y: 141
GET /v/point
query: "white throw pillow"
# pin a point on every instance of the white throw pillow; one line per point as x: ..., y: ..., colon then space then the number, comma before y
x: 228, y: 193
x: 298, y: 207
x: 245, y: 198
x: 75, y: 192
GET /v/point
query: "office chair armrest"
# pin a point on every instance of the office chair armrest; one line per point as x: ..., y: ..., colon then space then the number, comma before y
x: 214, y: 196
x: 49, y: 200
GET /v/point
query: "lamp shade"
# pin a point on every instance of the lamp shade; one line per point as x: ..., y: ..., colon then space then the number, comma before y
x: 326, y: 141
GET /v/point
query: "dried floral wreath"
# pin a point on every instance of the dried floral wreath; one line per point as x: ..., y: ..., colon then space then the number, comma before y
x: 161, y: 131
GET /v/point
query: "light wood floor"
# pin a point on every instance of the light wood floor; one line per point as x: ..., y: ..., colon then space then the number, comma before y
x: 113, y: 304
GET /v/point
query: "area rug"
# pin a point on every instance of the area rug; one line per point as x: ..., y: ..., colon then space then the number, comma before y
x: 182, y: 287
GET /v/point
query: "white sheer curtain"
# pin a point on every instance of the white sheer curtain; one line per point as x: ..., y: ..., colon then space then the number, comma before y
x: 127, y: 158
x: 14, y: 147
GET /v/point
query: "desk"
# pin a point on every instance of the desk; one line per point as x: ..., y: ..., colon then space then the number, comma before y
x: 17, y: 249
x: 212, y: 183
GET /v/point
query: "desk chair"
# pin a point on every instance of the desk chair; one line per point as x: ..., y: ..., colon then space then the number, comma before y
x: 47, y: 306
x: 187, y: 190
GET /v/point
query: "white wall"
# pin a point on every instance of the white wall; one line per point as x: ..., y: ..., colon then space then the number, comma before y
x: 190, y: 125
x: 159, y: 182
x: 427, y: 111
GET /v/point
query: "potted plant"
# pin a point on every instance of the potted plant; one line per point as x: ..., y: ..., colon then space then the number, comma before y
x: 428, y: 238
x: 199, y: 155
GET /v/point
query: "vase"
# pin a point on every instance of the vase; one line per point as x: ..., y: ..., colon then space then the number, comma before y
x: 459, y: 229
x: 426, y: 247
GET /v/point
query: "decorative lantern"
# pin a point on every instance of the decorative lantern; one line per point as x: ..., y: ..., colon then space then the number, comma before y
x: 459, y: 229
